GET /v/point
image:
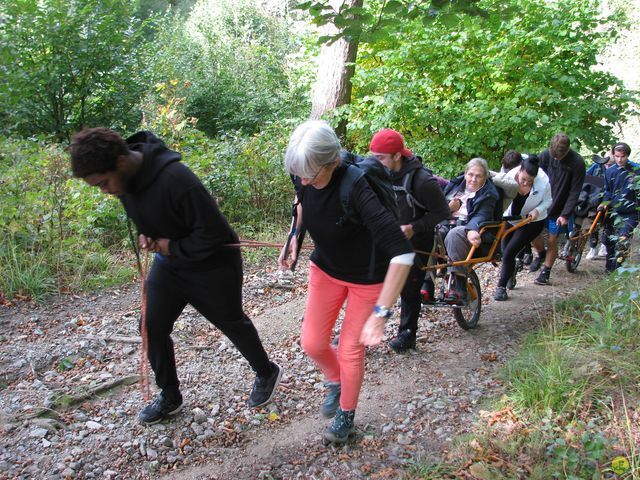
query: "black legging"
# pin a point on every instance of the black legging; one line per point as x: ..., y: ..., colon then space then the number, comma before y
x: 512, y: 244
x: 217, y: 295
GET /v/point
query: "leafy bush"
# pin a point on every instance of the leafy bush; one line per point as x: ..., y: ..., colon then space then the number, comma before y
x: 239, y: 62
x: 49, y: 221
x: 69, y: 63
x: 57, y: 233
x: 462, y: 86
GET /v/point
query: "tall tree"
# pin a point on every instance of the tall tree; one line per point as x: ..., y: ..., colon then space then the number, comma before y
x: 347, y: 23
x: 336, y: 66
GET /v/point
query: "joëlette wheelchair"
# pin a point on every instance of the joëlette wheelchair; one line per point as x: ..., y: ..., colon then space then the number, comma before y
x: 467, y: 311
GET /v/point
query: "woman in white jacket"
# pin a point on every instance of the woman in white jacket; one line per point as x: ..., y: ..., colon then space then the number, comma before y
x: 531, y: 192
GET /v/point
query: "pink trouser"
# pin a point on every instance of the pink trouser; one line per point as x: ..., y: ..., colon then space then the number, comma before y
x: 326, y: 295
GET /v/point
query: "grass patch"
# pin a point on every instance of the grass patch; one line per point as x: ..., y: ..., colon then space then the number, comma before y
x: 572, y: 403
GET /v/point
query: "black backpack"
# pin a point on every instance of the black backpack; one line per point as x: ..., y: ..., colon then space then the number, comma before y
x: 407, y: 188
x: 378, y: 178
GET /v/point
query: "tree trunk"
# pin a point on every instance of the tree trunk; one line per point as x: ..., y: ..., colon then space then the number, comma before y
x: 336, y: 66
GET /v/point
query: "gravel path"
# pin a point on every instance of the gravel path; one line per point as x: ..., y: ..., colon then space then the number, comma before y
x: 70, y: 395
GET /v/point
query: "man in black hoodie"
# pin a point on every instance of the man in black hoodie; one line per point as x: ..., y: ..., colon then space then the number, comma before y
x: 566, y: 171
x: 421, y: 205
x: 180, y: 222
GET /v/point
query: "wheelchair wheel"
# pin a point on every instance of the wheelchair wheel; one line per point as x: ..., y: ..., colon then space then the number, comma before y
x: 468, y: 314
x: 573, y: 254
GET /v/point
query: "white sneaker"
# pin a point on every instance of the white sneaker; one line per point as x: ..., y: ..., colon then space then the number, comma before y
x: 603, y: 251
x: 592, y: 254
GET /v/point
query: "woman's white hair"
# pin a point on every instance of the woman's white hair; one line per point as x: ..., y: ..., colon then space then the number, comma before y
x: 312, y: 145
x: 478, y: 162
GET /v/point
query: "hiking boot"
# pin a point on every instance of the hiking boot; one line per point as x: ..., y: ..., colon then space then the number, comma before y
x: 427, y: 296
x: 331, y: 402
x: 501, y: 294
x: 340, y: 428
x: 543, y: 277
x: 406, y: 340
x: 265, y: 386
x: 591, y: 254
x: 513, y: 280
x: 458, y: 291
x: 537, y: 262
x: 162, y: 407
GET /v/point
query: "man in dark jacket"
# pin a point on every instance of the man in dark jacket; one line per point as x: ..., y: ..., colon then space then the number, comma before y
x: 622, y: 198
x: 421, y: 206
x: 566, y: 171
x: 180, y: 222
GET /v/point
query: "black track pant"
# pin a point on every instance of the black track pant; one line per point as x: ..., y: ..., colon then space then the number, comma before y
x: 512, y: 244
x: 410, y: 299
x: 217, y: 295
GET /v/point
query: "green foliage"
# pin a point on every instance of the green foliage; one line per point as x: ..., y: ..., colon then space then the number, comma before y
x: 246, y: 175
x: 566, y: 396
x: 380, y: 19
x: 57, y: 234
x: 242, y: 65
x: 69, y: 63
x: 580, y: 452
x: 474, y: 86
x: 53, y: 228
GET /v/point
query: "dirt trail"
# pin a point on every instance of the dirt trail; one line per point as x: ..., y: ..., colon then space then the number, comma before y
x: 411, y: 405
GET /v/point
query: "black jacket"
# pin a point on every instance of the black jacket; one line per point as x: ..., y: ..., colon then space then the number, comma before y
x: 166, y: 200
x: 344, y: 250
x: 481, y: 208
x: 426, y: 190
x: 566, y: 178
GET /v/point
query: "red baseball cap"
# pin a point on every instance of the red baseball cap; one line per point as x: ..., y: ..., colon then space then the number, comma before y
x: 389, y: 141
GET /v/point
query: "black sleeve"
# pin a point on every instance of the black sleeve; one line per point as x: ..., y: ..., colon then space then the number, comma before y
x: 577, y: 180
x: 209, y: 228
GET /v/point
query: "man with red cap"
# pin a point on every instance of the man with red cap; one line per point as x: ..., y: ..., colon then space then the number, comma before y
x: 422, y: 206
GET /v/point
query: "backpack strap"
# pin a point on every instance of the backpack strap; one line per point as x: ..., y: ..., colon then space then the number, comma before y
x: 407, y: 188
x: 351, y: 176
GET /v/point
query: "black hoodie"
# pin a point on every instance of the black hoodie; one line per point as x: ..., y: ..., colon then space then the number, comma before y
x: 166, y: 200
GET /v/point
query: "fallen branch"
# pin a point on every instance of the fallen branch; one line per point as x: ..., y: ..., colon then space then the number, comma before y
x: 114, y: 338
x: 66, y: 400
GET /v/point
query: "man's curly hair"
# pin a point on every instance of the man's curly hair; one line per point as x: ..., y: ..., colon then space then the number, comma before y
x: 96, y: 150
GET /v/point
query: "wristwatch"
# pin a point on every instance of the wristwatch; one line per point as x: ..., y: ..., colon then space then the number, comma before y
x: 381, y: 311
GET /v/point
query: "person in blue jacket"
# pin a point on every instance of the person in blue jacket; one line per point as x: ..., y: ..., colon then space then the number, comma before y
x: 621, y: 196
x: 472, y: 200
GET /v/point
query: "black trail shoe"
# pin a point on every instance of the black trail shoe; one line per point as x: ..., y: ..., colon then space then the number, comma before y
x: 265, y: 386
x: 543, y: 277
x: 159, y: 409
x: 340, y: 428
x: 537, y: 262
x: 406, y: 340
x: 501, y: 294
x: 332, y: 400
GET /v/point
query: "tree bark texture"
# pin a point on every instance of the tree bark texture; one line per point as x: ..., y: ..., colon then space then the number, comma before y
x: 336, y: 67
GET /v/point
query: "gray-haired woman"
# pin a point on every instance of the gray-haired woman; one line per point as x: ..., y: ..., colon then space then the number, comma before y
x: 472, y: 200
x: 363, y: 263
